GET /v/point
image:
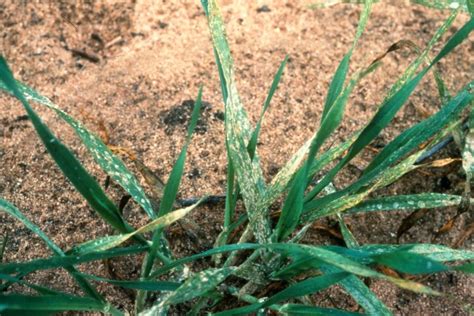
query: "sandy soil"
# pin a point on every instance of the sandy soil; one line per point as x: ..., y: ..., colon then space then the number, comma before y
x: 140, y: 63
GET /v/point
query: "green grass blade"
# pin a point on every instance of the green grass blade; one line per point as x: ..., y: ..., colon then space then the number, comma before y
x: 455, y: 40
x: 388, y: 110
x: 335, y: 114
x: 64, y: 261
x: 336, y: 85
x: 361, y: 293
x: 256, y: 133
x: 434, y: 252
x: 40, y: 289
x: 167, y: 202
x: 337, y: 98
x: 466, y: 268
x: 407, y: 202
x: 444, y: 4
x: 336, y: 260
x: 67, y: 162
x: 411, y: 69
x: 155, y: 286
x: 302, y: 288
x: 174, y: 180
x: 292, y: 208
x: 299, y: 309
x: 13, y: 211
x: 416, y: 135
x: 196, y: 286
x: 337, y: 82
x: 238, y: 132
x: 109, y: 162
x: 109, y: 242
x: 293, y: 205
x: 31, y: 304
x: 407, y: 141
x: 229, y: 201
x: 411, y: 263
x: 347, y: 235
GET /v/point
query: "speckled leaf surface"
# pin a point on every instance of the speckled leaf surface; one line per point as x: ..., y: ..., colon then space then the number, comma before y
x: 109, y: 162
x: 108, y: 242
x: 239, y: 132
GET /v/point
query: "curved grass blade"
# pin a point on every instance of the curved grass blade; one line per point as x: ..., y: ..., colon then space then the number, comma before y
x: 174, y: 180
x: 337, y: 82
x: 53, y: 303
x: 360, y: 293
x: 299, y: 309
x: 197, y: 285
x: 167, y: 202
x: 336, y: 260
x: 409, y: 72
x: 156, y: 286
x: 411, y: 263
x: 293, y: 206
x: 67, y: 162
x: 302, y: 288
x: 40, y: 289
x: 280, y: 182
x: 347, y: 235
x: 256, y: 133
x: 388, y: 110
x: 294, y: 202
x: 13, y: 211
x: 411, y: 69
x: 238, y: 131
x: 434, y: 252
x: 109, y: 162
x: 337, y: 98
x: 407, y: 202
x: 401, y: 145
x: 328, y: 205
x: 109, y: 242
x: 64, y: 261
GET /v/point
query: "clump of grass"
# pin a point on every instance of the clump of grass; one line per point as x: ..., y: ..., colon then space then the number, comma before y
x: 273, y: 252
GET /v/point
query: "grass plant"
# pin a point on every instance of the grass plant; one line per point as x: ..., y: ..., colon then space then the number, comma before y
x: 269, y: 250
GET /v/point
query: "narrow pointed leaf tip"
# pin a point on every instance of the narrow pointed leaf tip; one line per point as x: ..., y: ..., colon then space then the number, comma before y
x: 108, y: 242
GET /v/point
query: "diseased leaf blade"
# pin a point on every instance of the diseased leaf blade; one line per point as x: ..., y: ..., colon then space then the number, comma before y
x: 109, y: 242
x: 13, y: 211
x: 109, y: 162
x: 66, y: 161
x: 52, y: 303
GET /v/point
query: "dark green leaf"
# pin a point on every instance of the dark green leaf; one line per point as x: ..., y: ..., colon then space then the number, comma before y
x: 411, y: 263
